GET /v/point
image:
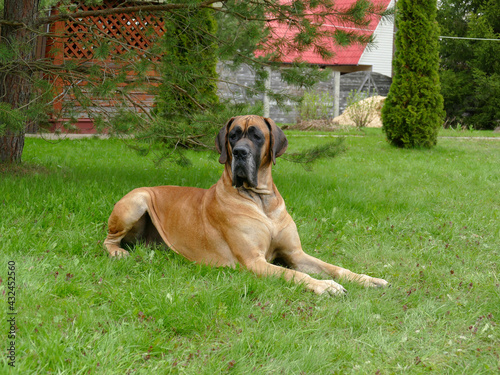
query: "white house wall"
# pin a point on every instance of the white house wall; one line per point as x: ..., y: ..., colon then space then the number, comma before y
x: 380, y: 55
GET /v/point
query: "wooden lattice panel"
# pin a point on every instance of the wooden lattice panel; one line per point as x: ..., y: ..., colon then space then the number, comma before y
x: 126, y: 31
x: 77, y: 39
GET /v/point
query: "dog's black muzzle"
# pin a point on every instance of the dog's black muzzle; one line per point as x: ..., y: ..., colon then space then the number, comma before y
x: 243, y: 166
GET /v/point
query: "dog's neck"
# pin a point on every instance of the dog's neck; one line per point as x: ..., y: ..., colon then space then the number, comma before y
x: 257, y: 190
x: 265, y: 195
x: 265, y: 181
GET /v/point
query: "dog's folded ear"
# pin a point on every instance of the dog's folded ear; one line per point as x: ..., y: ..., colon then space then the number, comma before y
x: 221, y: 141
x: 279, y: 143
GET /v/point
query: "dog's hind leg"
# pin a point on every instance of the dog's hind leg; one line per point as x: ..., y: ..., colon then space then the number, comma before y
x: 127, y: 222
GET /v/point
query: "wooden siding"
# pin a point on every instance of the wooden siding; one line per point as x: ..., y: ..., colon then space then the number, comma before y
x: 380, y: 56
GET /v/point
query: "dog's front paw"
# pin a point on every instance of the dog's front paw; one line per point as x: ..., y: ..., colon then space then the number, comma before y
x: 328, y: 286
x: 373, y: 282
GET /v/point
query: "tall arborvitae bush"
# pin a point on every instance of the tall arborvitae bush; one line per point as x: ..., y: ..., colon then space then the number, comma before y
x: 413, y: 111
x: 189, y: 64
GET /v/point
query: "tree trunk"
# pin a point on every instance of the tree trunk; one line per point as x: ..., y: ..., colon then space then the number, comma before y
x: 11, y: 147
x: 16, y: 89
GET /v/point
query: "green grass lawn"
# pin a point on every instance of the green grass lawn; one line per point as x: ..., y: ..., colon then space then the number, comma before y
x: 427, y: 221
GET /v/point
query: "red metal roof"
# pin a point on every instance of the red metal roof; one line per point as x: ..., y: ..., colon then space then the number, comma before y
x: 349, y: 55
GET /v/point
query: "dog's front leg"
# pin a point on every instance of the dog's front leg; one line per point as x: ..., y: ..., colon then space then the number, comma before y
x: 307, y: 263
x: 291, y: 251
x: 251, y: 245
x: 261, y: 267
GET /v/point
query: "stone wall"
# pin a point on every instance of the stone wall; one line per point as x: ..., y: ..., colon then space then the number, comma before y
x: 234, y: 86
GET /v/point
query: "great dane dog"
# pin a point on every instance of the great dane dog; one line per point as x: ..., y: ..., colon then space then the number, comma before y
x: 241, y: 219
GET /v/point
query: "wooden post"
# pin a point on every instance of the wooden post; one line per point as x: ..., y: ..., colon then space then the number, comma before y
x: 336, y: 93
x: 267, y: 88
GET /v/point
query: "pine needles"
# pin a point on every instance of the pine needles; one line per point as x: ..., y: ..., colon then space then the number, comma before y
x: 324, y: 151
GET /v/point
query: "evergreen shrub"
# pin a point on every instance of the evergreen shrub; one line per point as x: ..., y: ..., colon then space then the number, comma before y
x: 188, y: 65
x: 413, y: 111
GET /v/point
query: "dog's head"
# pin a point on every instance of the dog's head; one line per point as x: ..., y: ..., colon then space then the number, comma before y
x: 248, y: 143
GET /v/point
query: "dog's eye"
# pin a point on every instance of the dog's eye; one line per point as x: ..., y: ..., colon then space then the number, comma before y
x: 234, y: 135
x: 256, y: 135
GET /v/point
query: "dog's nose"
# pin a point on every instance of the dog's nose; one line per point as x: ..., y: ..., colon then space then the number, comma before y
x: 240, y: 152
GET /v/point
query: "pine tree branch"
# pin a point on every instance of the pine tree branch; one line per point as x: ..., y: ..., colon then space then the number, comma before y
x: 135, y: 103
x: 13, y: 23
x: 184, y: 92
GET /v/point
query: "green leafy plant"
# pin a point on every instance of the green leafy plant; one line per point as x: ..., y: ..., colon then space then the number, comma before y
x: 315, y: 106
x: 360, y: 109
